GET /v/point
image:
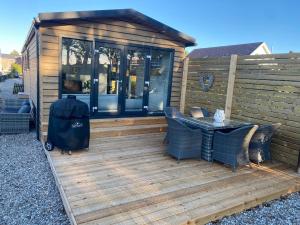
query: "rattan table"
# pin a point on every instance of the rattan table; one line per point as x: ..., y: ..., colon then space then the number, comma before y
x: 209, y: 127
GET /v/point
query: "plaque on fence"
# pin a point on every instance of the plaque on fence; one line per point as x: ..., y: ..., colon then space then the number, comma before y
x: 206, y: 81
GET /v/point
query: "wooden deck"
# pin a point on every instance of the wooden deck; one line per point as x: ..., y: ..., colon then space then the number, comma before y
x: 129, y: 180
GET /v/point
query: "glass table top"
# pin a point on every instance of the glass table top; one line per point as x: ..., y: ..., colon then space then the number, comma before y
x: 209, y: 123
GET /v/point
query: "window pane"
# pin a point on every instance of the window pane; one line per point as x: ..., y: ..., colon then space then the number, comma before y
x: 109, y: 77
x: 76, y: 68
x: 159, y: 79
x: 135, y: 79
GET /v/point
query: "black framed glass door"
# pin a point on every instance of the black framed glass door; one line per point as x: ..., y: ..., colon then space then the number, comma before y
x: 130, y: 80
x: 108, y: 79
x: 120, y: 83
x: 136, y: 81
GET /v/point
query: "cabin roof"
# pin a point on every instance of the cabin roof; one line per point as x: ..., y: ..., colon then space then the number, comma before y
x: 129, y: 15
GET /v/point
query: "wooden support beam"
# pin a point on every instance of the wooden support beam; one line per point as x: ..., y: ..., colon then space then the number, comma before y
x: 184, y: 83
x: 230, y: 86
x: 298, y: 166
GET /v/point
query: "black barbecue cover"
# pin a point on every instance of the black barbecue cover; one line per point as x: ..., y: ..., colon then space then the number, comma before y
x: 69, y: 126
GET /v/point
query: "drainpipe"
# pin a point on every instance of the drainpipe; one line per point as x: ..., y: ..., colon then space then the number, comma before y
x: 36, y: 26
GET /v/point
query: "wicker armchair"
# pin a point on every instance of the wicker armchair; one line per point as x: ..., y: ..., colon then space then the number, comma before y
x: 198, y: 112
x: 183, y: 142
x: 13, y: 105
x: 171, y: 112
x: 259, y: 148
x: 232, y: 147
x: 12, y: 122
x: 1, y: 104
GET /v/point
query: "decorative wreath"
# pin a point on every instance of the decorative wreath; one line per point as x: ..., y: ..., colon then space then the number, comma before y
x: 206, y: 81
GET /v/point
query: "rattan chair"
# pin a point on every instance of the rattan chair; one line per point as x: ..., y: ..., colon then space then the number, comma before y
x: 183, y: 141
x: 12, y: 122
x: 232, y: 148
x: 259, y: 148
x: 171, y: 112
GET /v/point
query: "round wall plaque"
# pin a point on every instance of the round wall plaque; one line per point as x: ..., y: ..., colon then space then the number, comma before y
x: 206, y: 81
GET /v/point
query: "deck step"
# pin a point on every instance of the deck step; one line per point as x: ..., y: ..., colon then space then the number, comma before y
x: 104, y: 128
x: 127, y: 130
x: 117, y: 122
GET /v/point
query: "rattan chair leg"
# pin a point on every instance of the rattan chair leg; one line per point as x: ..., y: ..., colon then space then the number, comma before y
x: 234, y: 169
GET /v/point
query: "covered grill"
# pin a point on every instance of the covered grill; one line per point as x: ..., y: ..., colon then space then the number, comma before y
x: 69, y: 126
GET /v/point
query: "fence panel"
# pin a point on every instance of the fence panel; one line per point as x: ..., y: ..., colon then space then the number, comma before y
x: 266, y: 90
x: 215, y: 97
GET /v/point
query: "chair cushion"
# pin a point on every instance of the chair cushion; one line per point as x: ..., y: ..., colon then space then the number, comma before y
x: 24, y: 109
x: 197, y: 113
x: 256, y: 155
x: 26, y: 102
x: 9, y: 110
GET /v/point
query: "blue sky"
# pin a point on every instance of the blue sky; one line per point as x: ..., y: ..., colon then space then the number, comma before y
x: 212, y: 23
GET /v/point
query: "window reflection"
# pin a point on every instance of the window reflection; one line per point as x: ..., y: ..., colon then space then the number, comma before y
x: 159, y: 79
x: 135, y: 79
x: 109, y: 76
x: 76, y: 68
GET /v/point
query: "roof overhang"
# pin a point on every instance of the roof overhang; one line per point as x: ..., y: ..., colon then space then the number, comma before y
x: 29, y: 36
x: 130, y: 15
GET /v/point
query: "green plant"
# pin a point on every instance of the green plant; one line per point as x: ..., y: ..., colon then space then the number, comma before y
x: 15, y: 53
x: 15, y: 68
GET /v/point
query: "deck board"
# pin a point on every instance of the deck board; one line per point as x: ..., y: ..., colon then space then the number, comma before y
x: 129, y: 180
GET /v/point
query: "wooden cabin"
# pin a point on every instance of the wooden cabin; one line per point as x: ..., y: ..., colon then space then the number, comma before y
x: 122, y: 63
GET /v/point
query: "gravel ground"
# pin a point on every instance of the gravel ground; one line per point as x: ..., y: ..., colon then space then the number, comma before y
x: 6, y: 88
x: 28, y: 194
x: 285, y: 211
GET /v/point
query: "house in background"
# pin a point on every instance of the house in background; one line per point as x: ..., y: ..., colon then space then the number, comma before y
x: 6, y: 60
x: 257, y: 48
x: 122, y: 63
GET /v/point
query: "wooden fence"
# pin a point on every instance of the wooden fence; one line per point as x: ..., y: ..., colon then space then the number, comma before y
x: 260, y: 89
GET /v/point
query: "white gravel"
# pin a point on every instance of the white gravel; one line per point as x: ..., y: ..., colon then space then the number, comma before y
x: 28, y: 194
x: 285, y: 211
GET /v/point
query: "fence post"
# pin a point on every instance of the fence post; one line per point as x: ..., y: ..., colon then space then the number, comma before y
x: 184, y: 83
x: 298, y: 166
x: 230, y: 85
